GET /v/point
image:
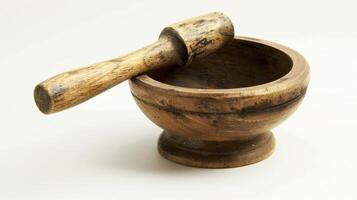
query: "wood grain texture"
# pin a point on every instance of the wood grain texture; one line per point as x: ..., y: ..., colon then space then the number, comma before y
x: 73, y: 87
x: 177, y: 45
x: 236, y: 94
x: 202, y: 35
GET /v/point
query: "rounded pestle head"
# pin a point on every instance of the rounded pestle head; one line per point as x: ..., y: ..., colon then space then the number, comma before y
x: 200, y: 36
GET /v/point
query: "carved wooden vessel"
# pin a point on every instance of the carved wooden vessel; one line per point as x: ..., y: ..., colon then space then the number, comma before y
x: 217, y: 112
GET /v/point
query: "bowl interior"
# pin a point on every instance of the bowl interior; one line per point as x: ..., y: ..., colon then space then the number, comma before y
x: 242, y: 63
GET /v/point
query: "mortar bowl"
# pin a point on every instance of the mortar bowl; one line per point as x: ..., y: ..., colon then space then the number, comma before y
x: 218, y: 112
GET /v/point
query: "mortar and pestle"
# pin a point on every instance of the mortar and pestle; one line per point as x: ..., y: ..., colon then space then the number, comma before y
x: 215, y: 95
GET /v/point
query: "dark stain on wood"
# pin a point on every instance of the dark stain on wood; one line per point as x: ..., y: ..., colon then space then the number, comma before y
x: 265, y: 107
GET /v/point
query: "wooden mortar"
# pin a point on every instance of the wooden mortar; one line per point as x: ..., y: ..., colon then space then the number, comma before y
x: 218, y: 112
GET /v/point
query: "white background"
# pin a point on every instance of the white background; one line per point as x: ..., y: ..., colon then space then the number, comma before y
x: 106, y: 148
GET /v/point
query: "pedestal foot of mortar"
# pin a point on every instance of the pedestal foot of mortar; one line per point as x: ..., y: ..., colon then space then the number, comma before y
x: 215, y: 154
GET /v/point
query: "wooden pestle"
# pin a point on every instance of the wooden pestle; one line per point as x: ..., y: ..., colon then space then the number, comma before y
x: 178, y: 44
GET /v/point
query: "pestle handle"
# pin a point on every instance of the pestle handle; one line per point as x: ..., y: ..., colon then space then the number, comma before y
x: 76, y: 86
x: 178, y: 44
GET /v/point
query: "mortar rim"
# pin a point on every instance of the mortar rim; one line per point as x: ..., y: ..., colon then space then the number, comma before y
x: 297, y: 76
